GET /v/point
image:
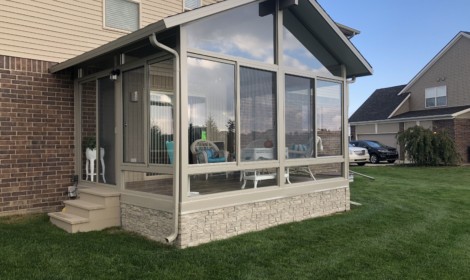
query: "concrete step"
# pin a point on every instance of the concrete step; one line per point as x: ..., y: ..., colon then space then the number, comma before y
x: 92, y: 211
x: 68, y: 222
x: 102, y: 196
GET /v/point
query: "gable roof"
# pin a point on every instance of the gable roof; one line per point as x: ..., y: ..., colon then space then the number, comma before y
x: 312, y: 15
x: 442, y: 112
x: 460, y: 35
x: 380, y: 105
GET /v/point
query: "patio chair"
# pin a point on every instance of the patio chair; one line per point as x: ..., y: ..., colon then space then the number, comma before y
x: 205, y: 151
x: 305, y: 151
x: 170, y: 150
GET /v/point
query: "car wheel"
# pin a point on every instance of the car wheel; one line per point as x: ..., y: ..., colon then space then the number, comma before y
x: 391, y: 161
x: 374, y: 159
x: 361, y: 163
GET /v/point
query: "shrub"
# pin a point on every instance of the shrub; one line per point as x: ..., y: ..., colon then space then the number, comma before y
x: 425, y: 147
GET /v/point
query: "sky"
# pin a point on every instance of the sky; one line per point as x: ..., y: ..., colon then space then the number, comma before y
x: 398, y: 38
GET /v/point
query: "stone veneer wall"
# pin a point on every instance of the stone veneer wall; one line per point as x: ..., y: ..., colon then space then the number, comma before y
x: 205, y: 226
x: 151, y: 223
x: 36, y: 136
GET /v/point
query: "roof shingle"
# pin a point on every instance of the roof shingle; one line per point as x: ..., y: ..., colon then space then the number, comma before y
x: 432, y: 112
x: 379, y: 105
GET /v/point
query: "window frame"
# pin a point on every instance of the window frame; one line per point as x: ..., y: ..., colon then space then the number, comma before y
x: 435, y: 96
x: 139, y: 14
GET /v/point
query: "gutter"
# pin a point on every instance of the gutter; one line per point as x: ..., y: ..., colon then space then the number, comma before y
x: 176, y: 194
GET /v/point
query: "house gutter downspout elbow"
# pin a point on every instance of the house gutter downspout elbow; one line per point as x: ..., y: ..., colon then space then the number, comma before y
x: 176, y: 194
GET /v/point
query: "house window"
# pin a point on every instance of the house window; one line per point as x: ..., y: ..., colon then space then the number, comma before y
x: 191, y: 4
x: 436, y: 96
x: 122, y: 14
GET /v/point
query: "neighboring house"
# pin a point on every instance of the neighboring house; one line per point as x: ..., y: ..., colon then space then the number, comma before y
x: 210, y: 123
x: 438, y: 98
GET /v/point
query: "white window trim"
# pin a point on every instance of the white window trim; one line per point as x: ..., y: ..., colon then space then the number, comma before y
x: 138, y: 2
x: 435, y: 96
x: 189, y: 9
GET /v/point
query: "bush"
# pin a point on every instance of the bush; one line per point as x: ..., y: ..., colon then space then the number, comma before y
x: 425, y: 147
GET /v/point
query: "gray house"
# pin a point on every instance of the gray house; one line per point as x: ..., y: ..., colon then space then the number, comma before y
x: 438, y: 98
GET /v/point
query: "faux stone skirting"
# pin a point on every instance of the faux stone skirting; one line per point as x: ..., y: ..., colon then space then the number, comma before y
x: 205, y: 226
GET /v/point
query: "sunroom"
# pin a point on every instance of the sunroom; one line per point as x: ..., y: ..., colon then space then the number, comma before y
x: 218, y: 121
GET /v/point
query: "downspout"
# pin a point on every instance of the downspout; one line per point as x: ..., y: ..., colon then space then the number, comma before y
x: 176, y: 194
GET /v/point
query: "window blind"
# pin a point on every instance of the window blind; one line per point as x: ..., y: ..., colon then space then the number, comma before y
x: 122, y: 14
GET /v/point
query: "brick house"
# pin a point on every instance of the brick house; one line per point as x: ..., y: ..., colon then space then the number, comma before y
x: 184, y: 127
x: 438, y: 98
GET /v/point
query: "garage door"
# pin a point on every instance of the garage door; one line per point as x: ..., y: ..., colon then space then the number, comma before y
x: 387, y: 139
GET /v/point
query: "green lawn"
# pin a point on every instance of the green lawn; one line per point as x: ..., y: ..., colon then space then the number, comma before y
x: 414, y: 224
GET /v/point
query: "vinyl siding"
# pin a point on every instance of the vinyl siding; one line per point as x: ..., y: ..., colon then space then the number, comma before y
x: 58, y: 30
x: 454, y: 66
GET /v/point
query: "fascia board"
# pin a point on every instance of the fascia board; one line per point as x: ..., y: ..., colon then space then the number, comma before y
x: 345, y: 40
x: 428, y: 118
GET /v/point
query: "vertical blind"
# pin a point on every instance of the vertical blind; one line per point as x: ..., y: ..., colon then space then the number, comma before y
x: 122, y: 14
x: 192, y: 4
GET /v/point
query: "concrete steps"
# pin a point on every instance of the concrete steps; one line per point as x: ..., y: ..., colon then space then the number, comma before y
x: 96, y: 209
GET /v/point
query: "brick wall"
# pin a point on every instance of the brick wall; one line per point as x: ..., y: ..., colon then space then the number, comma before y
x: 36, y: 136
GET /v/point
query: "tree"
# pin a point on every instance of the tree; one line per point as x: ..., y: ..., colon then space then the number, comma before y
x: 425, y: 147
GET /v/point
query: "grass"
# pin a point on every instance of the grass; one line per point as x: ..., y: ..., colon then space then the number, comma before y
x: 414, y: 224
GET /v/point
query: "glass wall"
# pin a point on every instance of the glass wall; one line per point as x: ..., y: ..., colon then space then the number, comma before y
x: 299, y: 116
x: 211, y: 111
x: 258, y: 113
x: 106, y: 125
x: 247, y: 32
x: 162, y: 101
x: 133, y: 117
x: 330, y: 117
x: 88, y: 123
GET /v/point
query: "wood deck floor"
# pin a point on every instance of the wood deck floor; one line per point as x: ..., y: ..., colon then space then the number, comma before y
x: 215, y: 183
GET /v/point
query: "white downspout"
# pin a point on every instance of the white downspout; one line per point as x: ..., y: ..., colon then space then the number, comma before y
x: 176, y: 194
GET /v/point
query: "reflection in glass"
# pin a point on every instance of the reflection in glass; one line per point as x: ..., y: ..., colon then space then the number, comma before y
x: 133, y: 116
x: 240, y: 32
x: 211, y: 110
x: 258, y: 114
x: 329, y: 117
x: 161, y: 83
x: 299, y: 115
x: 303, y: 52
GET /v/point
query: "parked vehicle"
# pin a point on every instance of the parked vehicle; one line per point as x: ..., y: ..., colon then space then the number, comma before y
x: 378, y: 152
x: 358, y: 155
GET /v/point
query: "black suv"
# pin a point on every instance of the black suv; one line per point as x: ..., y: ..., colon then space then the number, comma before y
x: 377, y: 151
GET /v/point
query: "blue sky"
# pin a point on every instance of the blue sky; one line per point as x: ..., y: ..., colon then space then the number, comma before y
x: 398, y: 37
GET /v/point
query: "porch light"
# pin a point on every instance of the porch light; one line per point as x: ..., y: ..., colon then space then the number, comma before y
x: 113, y: 75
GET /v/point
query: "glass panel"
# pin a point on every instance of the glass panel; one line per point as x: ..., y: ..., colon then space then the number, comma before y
x: 317, y: 172
x: 161, y: 84
x: 122, y: 14
x: 192, y: 4
x: 441, y: 101
x: 303, y: 52
x: 430, y: 92
x: 211, y: 111
x: 88, y: 119
x: 232, y: 181
x: 105, y: 163
x: 329, y: 118
x: 299, y: 117
x: 258, y: 114
x: 441, y: 91
x: 157, y: 183
x: 430, y: 102
x: 133, y: 115
x: 246, y: 31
